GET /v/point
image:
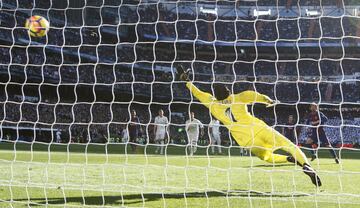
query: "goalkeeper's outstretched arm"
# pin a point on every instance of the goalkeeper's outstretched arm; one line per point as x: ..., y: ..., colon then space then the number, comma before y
x: 246, y: 97
x: 249, y: 97
x: 204, y: 97
x: 222, y: 92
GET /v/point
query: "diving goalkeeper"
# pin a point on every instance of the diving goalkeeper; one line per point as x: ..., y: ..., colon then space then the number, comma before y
x: 247, y: 130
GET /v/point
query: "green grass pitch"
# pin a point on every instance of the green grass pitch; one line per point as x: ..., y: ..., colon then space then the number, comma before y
x: 42, y: 175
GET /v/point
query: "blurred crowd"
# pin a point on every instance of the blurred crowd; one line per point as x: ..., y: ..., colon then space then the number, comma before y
x: 287, y: 81
x: 158, y: 22
x: 105, y: 121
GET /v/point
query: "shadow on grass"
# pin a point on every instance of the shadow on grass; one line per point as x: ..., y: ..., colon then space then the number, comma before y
x: 271, y: 165
x: 149, y: 197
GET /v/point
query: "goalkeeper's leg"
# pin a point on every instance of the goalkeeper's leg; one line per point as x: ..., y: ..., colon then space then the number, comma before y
x: 267, y: 155
x: 269, y: 140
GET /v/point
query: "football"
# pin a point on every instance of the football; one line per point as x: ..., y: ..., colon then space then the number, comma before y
x: 37, y: 26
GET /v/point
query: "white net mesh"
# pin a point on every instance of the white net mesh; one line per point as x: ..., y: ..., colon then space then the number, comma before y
x: 68, y: 136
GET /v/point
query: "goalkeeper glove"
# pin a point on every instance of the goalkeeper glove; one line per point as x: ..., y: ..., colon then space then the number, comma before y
x: 183, y: 74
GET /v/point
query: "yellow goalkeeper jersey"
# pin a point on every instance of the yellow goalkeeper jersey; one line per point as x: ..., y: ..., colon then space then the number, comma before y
x: 233, y: 112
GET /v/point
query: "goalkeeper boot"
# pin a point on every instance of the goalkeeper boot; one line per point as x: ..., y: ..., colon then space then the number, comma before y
x: 291, y: 159
x: 337, y: 160
x: 312, y: 174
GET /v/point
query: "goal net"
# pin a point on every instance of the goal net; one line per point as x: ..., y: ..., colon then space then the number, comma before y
x: 80, y: 108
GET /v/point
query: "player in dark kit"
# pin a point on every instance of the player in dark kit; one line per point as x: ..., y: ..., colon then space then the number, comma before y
x: 289, y: 131
x: 134, y: 129
x: 317, y: 135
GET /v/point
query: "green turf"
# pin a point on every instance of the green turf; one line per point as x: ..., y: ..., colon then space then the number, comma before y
x: 51, y: 176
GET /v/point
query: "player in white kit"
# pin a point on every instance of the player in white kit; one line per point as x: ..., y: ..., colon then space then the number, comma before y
x: 58, y: 136
x: 214, y: 131
x: 124, y: 135
x: 192, y: 128
x: 160, y: 129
